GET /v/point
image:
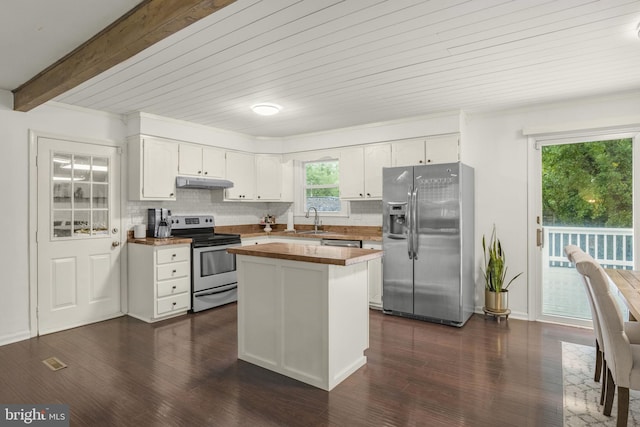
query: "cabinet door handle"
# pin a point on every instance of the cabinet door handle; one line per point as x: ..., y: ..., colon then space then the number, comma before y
x: 199, y: 172
x: 206, y: 172
x: 360, y: 194
x: 368, y: 194
x: 170, y: 194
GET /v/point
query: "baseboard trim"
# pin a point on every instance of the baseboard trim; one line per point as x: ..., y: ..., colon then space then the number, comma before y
x: 18, y: 336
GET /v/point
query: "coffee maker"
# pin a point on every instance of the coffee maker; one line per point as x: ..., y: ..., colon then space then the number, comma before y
x: 158, y: 223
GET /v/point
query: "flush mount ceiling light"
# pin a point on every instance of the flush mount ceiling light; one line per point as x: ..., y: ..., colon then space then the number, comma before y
x: 266, y: 109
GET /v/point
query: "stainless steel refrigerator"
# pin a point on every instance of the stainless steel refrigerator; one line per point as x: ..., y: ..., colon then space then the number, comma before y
x: 428, y: 242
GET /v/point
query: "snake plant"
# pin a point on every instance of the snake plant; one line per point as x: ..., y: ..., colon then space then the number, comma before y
x: 495, y: 272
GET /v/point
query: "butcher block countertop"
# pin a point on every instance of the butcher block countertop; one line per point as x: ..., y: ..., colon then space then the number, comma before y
x: 308, y: 253
x: 152, y: 241
x: 338, y: 232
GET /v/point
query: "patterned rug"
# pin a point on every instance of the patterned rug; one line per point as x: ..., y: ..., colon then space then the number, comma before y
x: 582, y: 394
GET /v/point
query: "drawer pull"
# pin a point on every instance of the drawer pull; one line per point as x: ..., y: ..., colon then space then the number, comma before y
x: 173, y: 287
x: 174, y: 255
x: 174, y: 272
x: 174, y: 303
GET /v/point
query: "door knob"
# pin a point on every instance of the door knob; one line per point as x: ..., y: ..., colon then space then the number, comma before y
x: 115, y: 244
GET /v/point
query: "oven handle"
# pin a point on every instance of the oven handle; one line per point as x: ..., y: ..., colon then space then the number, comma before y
x: 215, y: 248
x: 218, y: 290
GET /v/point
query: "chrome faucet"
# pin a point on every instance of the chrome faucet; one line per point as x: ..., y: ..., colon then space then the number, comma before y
x: 315, y: 219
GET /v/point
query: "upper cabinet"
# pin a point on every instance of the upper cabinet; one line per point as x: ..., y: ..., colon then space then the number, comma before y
x: 430, y: 150
x: 198, y: 160
x: 255, y: 177
x: 241, y: 171
x: 153, y: 166
x: 268, y: 177
x: 361, y: 171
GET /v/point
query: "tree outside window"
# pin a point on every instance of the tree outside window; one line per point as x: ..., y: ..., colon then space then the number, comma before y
x: 588, y: 184
x: 322, y: 186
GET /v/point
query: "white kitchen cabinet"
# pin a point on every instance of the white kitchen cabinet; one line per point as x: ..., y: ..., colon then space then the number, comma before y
x: 430, y: 150
x: 376, y: 157
x: 198, y: 160
x: 159, y: 281
x: 255, y: 177
x: 361, y: 171
x: 352, y: 173
x: 374, y: 270
x: 241, y: 171
x: 268, y: 177
x: 308, y: 321
x: 255, y: 240
x: 153, y: 166
x: 288, y: 188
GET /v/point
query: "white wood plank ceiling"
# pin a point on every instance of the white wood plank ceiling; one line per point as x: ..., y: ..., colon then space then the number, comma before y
x: 36, y: 33
x: 334, y: 64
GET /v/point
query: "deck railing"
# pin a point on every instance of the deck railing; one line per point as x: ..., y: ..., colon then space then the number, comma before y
x: 611, y: 247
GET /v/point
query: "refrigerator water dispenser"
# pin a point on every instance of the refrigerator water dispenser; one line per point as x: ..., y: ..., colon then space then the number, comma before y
x: 397, y: 217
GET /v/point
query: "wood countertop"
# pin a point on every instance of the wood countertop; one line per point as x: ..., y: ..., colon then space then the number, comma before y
x: 309, y: 253
x: 152, y: 241
x: 367, y: 233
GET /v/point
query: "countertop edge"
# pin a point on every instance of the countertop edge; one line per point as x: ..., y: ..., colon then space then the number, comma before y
x: 152, y: 241
x: 279, y: 252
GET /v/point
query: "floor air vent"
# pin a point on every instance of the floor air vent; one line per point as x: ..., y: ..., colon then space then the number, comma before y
x: 54, y: 363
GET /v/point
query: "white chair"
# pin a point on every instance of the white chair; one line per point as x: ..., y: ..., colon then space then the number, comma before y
x: 575, y: 255
x: 632, y: 329
x: 621, y: 356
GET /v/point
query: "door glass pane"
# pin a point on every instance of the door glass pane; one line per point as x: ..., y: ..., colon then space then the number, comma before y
x: 100, y: 194
x: 61, y: 195
x: 81, y: 193
x: 80, y: 196
x: 100, y: 223
x: 100, y: 169
x: 81, y: 168
x: 81, y: 222
x: 62, y: 223
x: 587, y: 201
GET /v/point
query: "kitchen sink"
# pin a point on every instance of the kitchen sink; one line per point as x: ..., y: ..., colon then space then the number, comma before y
x: 313, y: 232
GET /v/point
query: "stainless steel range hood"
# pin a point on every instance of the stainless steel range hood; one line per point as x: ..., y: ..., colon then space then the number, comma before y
x: 205, y: 183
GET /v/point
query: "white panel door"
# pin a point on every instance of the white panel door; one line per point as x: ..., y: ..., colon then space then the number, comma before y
x: 78, y: 234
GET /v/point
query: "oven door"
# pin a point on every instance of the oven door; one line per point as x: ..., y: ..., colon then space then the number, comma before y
x: 213, y: 267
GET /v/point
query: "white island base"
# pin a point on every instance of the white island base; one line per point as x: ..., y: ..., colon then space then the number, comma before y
x: 305, y: 320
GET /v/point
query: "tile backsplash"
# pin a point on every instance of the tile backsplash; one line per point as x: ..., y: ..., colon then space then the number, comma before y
x: 196, y: 201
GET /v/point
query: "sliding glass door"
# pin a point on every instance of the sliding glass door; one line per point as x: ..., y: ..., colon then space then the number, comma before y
x: 586, y: 199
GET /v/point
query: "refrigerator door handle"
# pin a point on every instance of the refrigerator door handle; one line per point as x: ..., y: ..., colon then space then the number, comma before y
x: 409, y: 225
x: 415, y: 235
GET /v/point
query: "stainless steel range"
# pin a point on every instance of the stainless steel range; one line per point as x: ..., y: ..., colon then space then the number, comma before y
x: 213, y: 271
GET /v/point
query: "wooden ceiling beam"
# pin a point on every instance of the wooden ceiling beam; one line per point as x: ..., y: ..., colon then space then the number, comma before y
x: 143, y: 26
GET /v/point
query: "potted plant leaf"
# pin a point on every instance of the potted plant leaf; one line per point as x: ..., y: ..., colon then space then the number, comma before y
x: 495, y: 274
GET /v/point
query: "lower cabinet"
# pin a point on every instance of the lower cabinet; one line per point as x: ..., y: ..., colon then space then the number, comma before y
x: 159, y: 281
x: 375, y: 276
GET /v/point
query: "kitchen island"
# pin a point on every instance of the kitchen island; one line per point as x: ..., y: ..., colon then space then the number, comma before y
x: 303, y: 310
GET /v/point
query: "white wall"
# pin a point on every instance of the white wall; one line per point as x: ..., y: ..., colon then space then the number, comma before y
x: 495, y: 146
x: 492, y: 143
x: 14, y: 213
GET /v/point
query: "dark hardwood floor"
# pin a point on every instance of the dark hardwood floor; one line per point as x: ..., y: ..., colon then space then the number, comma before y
x: 184, y: 372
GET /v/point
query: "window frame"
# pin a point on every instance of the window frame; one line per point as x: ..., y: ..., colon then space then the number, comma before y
x: 301, y: 194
